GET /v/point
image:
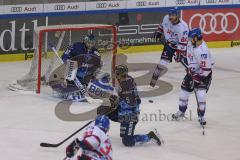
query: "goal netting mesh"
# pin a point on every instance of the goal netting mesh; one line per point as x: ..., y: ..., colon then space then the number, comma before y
x: 59, y: 37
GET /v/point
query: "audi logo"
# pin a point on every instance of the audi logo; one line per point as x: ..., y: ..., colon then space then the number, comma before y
x: 16, y: 9
x: 101, y: 5
x: 215, y: 23
x: 59, y: 7
x: 211, y: 1
x: 141, y: 3
x: 180, y: 1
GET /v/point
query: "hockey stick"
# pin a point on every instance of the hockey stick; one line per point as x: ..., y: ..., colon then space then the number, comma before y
x: 60, y: 143
x: 186, y: 66
x: 50, y: 67
x: 203, y: 128
x: 195, y: 93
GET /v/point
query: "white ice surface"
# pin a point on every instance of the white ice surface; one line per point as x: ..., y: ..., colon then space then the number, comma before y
x: 28, y: 119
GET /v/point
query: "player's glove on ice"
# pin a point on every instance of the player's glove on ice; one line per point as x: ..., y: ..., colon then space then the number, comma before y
x: 72, y: 148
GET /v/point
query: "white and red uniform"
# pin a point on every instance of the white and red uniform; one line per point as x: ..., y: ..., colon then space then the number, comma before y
x: 200, y: 60
x: 200, y: 64
x: 99, y: 142
x: 176, y: 35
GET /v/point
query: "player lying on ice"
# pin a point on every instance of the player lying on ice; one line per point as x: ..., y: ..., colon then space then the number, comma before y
x: 198, y: 77
x: 95, y: 143
x: 124, y: 108
x: 173, y: 34
x: 83, y: 63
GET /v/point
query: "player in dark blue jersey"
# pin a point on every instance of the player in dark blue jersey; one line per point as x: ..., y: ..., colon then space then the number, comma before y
x: 87, y: 56
x: 126, y: 111
x: 83, y: 63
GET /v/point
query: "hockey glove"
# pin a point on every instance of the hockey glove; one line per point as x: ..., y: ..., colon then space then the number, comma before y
x: 114, y: 101
x: 198, y: 78
x: 139, y: 100
x: 72, y: 148
x: 157, y: 36
x: 179, y: 55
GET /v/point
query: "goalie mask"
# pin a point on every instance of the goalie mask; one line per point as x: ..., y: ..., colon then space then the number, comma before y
x: 90, y: 41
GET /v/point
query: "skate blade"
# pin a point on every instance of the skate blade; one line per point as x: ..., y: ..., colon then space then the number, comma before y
x: 159, y: 136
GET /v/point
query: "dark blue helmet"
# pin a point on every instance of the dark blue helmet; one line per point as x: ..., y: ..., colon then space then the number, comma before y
x: 174, y: 11
x: 195, y: 32
x: 89, y: 37
x: 102, y: 122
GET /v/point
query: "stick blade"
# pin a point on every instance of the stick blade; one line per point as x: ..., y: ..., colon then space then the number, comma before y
x: 48, y: 145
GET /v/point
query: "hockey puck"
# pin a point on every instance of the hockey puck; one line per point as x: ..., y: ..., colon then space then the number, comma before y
x: 150, y: 101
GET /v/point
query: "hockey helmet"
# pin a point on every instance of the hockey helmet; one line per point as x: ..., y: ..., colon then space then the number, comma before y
x: 174, y: 11
x: 89, y: 40
x: 121, y: 70
x: 102, y: 122
x: 195, y: 32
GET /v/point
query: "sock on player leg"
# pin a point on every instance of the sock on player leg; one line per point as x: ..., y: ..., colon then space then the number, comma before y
x: 141, y: 139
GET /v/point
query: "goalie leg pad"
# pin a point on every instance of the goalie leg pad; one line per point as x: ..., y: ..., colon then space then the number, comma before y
x: 76, y: 97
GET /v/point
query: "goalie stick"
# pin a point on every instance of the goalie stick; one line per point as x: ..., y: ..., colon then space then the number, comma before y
x: 50, y: 67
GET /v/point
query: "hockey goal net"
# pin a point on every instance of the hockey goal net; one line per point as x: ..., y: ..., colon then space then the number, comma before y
x: 58, y: 38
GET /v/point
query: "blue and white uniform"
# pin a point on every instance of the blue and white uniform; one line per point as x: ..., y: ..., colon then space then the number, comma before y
x: 101, y: 89
x: 88, y: 65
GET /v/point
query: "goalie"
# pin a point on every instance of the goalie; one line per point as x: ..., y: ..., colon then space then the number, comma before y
x: 83, y: 63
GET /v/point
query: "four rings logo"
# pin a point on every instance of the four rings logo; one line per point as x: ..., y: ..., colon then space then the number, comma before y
x: 141, y: 3
x: 101, y: 5
x: 180, y: 1
x: 59, y: 7
x: 217, y: 23
x: 211, y: 1
x: 16, y: 9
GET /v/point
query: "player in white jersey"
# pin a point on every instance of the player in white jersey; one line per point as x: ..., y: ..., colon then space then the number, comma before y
x: 101, y: 88
x: 198, y: 77
x: 175, y: 31
x: 95, y: 144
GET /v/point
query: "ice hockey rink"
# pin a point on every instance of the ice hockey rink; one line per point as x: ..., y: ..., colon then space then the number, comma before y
x: 27, y: 119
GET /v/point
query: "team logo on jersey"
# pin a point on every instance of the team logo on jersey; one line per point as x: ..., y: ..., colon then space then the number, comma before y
x: 217, y: 19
